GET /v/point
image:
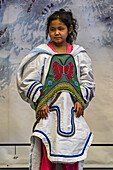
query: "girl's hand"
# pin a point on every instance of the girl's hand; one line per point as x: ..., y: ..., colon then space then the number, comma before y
x: 78, y: 108
x: 43, y: 112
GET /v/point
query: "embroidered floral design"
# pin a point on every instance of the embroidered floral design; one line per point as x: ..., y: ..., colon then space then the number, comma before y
x: 76, y: 83
x: 50, y: 82
x: 59, y: 70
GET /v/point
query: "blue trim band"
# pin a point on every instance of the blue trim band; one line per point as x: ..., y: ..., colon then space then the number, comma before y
x: 37, y: 50
x: 78, y: 47
x: 65, y: 156
x: 92, y: 93
x: 59, y: 117
x: 87, y: 93
x: 31, y: 88
x: 36, y: 92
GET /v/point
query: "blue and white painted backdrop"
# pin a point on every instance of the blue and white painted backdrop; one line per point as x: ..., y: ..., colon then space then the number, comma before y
x: 22, y: 27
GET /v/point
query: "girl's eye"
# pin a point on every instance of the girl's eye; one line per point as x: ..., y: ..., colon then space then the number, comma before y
x: 52, y: 29
x: 61, y: 28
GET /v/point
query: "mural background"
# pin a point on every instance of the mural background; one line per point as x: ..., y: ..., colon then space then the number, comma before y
x: 22, y: 27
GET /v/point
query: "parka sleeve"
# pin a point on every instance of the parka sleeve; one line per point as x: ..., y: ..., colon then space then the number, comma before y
x: 29, y: 78
x: 87, y: 83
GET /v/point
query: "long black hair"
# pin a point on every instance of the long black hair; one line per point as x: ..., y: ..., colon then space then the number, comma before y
x: 67, y: 18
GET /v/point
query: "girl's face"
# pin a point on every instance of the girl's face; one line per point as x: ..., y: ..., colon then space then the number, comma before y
x: 58, y: 32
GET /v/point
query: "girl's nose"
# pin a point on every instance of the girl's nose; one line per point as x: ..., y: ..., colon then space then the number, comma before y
x: 56, y: 32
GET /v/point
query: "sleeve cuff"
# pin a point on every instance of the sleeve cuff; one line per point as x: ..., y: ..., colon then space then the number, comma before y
x: 87, y: 93
x: 33, y: 92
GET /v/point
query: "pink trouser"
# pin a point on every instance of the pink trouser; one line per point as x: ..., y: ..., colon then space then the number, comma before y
x: 46, y: 164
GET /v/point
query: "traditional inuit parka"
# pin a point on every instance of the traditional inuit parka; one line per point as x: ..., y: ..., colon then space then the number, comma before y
x: 59, y: 80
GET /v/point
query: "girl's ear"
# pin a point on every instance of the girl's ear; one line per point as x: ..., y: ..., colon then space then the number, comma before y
x: 71, y: 29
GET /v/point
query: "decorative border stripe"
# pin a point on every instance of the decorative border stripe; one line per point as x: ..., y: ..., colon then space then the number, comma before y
x: 87, y: 93
x: 36, y: 92
x: 65, y: 156
x: 60, y: 132
x: 37, y: 50
x: 31, y: 88
x: 92, y: 93
x: 60, y: 87
x: 78, y: 47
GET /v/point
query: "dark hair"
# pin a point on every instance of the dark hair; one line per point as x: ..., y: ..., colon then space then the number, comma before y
x: 67, y: 18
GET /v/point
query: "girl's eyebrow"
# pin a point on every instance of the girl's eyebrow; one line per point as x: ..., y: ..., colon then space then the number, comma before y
x: 51, y: 26
x: 60, y: 26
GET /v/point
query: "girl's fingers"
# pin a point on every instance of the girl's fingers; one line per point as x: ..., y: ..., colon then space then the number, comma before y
x: 46, y: 113
x: 80, y: 112
x: 75, y: 108
x: 43, y: 112
x: 78, y: 109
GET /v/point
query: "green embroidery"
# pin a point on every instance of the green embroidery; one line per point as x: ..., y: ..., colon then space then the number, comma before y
x: 61, y: 76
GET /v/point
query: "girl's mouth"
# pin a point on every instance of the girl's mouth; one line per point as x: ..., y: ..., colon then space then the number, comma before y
x: 57, y: 37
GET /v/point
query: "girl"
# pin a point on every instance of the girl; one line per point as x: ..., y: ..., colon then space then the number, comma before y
x: 57, y: 80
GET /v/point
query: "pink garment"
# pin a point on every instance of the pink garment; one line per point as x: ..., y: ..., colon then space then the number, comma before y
x: 46, y: 164
x: 70, y: 166
x: 69, y: 47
